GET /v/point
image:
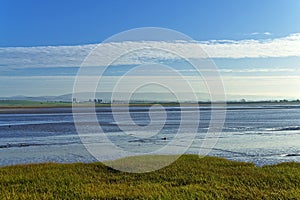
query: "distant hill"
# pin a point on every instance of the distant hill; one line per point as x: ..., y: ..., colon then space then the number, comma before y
x: 39, y: 98
x: 107, y: 96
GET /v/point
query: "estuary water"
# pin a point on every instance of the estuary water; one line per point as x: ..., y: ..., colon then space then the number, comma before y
x: 260, y: 134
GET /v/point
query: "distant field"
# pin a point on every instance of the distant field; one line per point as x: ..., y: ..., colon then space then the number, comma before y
x: 24, y: 104
x: 188, y: 178
x: 36, y: 104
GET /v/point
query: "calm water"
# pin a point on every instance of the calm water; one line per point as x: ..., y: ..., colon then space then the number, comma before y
x: 259, y: 134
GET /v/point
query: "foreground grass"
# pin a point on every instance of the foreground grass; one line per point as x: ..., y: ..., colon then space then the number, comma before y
x: 188, y: 178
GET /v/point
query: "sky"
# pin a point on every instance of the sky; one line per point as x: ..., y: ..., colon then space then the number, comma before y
x: 255, y: 44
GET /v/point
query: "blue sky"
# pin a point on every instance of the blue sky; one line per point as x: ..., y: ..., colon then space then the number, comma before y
x: 265, y: 64
x: 63, y: 22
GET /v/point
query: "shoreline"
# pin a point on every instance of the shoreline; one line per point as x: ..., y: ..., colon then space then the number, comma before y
x: 16, y: 104
x: 130, y: 158
x: 59, y: 108
x: 52, y: 105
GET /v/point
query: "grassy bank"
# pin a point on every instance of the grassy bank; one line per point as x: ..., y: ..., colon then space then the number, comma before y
x: 187, y: 178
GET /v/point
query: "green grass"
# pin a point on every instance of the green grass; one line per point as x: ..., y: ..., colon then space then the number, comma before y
x: 31, y: 104
x: 188, y: 178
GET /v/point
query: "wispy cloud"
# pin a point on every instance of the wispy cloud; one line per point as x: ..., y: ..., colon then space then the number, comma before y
x: 66, y: 56
x: 267, y: 33
x: 43, y: 56
x: 261, y: 33
x: 261, y: 70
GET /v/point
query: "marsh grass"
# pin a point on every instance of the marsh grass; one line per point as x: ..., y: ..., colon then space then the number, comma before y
x: 188, y: 178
